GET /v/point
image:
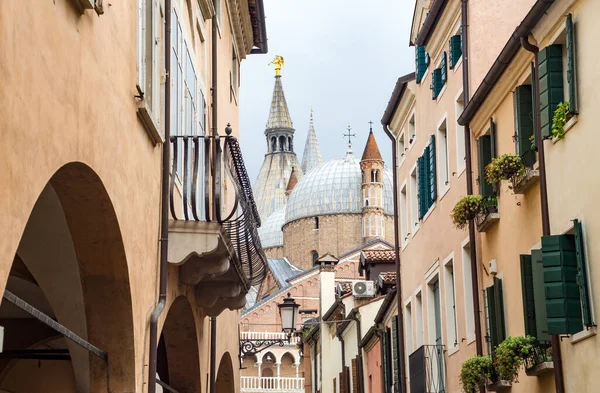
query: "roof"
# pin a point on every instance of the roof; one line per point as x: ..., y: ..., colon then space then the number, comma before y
x: 387, y: 278
x: 433, y: 16
x: 259, y: 28
x: 379, y: 256
x: 396, y: 97
x: 364, y: 246
x: 282, y: 270
x: 504, y: 59
x: 337, y: 306
x: 292, y: 181
x: 387, y: 302
x: 371, y: 151
x: 270, y: 232
x: 279, y: 115
x: 349, y: 319
x: 371, y: 333
x: 312, y: 153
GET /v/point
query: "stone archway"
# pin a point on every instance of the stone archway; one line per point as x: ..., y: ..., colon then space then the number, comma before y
x: 179, y: 360
x: 225, y: 377
x: 71, y: 262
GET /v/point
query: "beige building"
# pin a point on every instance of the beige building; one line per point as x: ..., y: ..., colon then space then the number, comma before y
x: 107, y: 260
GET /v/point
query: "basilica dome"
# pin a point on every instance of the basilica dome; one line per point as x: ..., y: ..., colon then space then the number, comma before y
x: 270, y: 231
x: 333, y: 187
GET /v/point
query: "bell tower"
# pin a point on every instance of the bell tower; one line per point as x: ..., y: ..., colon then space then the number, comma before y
x: 371, y: 165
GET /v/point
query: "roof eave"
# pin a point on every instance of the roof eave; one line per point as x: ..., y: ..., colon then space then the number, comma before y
x: 396, y: 97
x: 437, y: 9
x: 260, y: 33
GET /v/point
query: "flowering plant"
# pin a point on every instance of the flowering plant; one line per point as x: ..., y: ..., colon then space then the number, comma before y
x: 562, y: 114
x: 506, y: 167
x: 475, y: 372
x: 466, y: 209
x: 511, y: 354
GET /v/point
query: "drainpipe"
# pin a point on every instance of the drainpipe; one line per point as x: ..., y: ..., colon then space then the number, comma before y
x: 164, y: 209
x: 469, y: 169
x: 556, y: 353
x: 400, y: 319
x: 215, y: 122
x: 213, y: 354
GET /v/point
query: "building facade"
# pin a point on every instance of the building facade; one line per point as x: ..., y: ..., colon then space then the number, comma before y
x: 100, y: 260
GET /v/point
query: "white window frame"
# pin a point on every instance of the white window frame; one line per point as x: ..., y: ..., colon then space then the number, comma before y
x: 404, y: 219
x: 149, y: 56
x: 468, y: 291
x: 452, y: 342
x: 414, y: 200
x: 461, y: 161
x: 443, y: 157
x: 419, y: 325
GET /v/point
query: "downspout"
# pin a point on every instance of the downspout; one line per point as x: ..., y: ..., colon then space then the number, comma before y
x: 469, y: 169
x: 213, y: 354
x: 164, y: 210
x: 400, y: 319
x: 556, y: 353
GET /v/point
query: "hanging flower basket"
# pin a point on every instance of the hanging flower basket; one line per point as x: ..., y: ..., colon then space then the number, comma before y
x: 506, y: 167
x: 475, y: 372
x: 466, y: 209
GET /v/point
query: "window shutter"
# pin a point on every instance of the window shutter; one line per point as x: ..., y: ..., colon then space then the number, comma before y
x: 385, y: 363
x: 436, y: 82
x: 422, y: 197
x: 501, y: 333
x: 346, y: 379
x: 563, y: 307
x: 354, y: 376
x: 524, y: 123
x: 528, y: 296
x: 541, y: 321
x: 395, y: 353
x: 421, y: 62
x: 571, y: 68
x: 388, y: 364
x: 444, y: 70
x: 534, y: 119
x: 490, y: 318
x: 341, y: 379
x: 551, y: 85
x: 432, y: 171
x: 493, y: 138
x: 427, y: 184
x: 582, y: 274
x: 455, y: 49
x: 485, y: 156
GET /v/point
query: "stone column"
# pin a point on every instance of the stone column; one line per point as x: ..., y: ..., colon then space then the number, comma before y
x: 278, y: 364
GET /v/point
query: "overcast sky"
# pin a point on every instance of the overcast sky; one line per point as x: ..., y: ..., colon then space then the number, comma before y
x: 342, y: 58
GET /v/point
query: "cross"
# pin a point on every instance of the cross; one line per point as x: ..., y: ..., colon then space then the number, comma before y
x: 349, y: 135
x: 370, y: 125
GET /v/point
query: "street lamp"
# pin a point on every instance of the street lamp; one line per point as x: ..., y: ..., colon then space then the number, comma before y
x: 287, y: 312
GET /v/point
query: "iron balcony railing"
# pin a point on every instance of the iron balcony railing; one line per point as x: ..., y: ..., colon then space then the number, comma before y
x: 427, y: 369
x: 542, y: 352
x: 197, y: 170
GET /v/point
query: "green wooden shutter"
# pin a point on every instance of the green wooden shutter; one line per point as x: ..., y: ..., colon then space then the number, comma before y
x: 427, y: 185
x: 421, y: 62
x: 432, y: 171
x: 493, y: 138
x: 485, y: 156
x: 500, y: 325
x: 551, y: 85
x: 384, y: 360
x: 388, y: 364
x: 436, y: 82
x: 444, y: 69
x: 541, y: 321
x: 395, y: 353
x: 422, y: 186
x: 571, y: 64
x: 455, y: 49
x: 563, y: 307
x: 490, y: 318
x: 524, y: 123
x: 534, y: 95
x: 528, y: 296
x: 582, y: 274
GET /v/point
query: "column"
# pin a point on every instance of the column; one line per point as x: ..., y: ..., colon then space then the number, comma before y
x: 259, y: 365
x: 278, y: 364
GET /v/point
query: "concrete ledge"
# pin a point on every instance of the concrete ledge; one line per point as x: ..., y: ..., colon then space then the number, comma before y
x: 498, y: 386
x: 530, y: 177
x: 540, y: 369
x: 484, y: 223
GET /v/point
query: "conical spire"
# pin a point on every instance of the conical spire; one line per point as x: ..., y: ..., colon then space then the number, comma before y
x: 371, y: 149
x: 312, y: 153
x: 279, y: 115
x: 291, y: 183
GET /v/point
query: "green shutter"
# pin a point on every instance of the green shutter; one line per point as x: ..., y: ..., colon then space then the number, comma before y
x: 493, y: 138
x: 541, y: 321
x: 490, y: 318
x: 421, y: 62
x: 436, y: 83
x: 571, y: 69
x: 582, y: 274
x: 551, y: 85
x: 427, y: 185
x: 500, y: 325
x: 455, y: 49
x: 485, y: 156
x: 395, y: 353
x: 432, y: 171
x: 422, y: 186
x: 524, y: 123
x: 444, y: 69
x: 534, y: 119
x: 563, y: 307
x: 528, y: 296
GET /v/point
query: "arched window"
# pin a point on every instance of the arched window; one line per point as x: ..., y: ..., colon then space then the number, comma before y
x: 316, y: 222
x: 282, y: 143
x: 374, y: 176
x: 290, y: 145
x: 273, y: 144
x: 314, y: 255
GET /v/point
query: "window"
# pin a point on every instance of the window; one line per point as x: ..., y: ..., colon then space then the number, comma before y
x: 468, y: 288
x: 395, y: 358
x: 401, y: 148
x: 316, y: 222
x: 484, y: 151
x: 494, y: 315
x: 461, y: 161
x: 409, y: 331
x: 235, y: 73
x: 534, y: 296
x: 442, y: 139
x: 412, y: 131
x: 524, y: 124
x: 427, y: 178
x: 455, y: 49
x: 450, y: 301
x: 439, y: 77
x: 434, y: 312
x: 374, y: 176
x: 314, y: 255
x: 422, y: 61
x: 419, y: 334
x: 404, y: 228
x: 414, y: 201
x: 149, y: 54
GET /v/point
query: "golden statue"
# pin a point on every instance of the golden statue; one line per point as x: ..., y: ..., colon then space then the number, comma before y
x: 278, y: 62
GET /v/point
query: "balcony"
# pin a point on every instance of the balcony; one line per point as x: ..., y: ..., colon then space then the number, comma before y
x: 271, y: 384
x: 269, y: 336
x: 540, y: 361
x: 427, y: 369
x: 524, y: 182
x: 214, y: 243
x: 487, y: 220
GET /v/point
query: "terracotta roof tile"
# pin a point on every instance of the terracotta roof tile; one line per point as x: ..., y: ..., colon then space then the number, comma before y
x: 371, y: 149
x: 387, y: 278
x: 380, y: 255
x: 293, y: 180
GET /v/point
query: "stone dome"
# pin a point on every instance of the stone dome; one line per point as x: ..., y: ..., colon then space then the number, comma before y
x: 270, y: 232
x: 333, y: 187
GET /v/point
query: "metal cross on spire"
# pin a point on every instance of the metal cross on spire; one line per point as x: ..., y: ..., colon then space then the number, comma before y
x: 370, y: 125
x: 349, y: 135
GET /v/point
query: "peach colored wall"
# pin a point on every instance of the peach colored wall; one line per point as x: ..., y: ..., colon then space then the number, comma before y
x: 373, y: 374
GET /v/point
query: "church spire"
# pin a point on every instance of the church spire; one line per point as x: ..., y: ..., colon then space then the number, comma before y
x: 371, y: 149
x: 279, y: 115
x: 312, y: 153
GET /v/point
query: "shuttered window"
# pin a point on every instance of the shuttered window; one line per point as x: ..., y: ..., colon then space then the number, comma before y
x: 551, y: 85
x: 421, y: 62
x: 432, y: 171
x: 455, y: 49
x: 484, y: 149
x: 444, y: 68
x: 354, y: 376
x: 436, y: 83
x: 582, y: 274
x: 494, y: 315
x: 386, y: 362
x: 524, y: 116
x: 571, y: 64
x: 534, y: 298
x: 422, y: 186
x: 395, y: 354
x: 426, y: 166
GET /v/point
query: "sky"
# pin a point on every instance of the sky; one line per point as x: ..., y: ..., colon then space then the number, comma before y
x: 342, y: 59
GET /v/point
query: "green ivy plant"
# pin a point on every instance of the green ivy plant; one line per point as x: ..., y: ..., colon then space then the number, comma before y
x: 466, y: 209
x: 511, y: 354
x: 532, y: 140
x: 506, y: 167
x: 475, y: 372
x: 562, y: 115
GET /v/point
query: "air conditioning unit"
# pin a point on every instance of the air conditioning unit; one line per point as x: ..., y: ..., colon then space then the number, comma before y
x: 363, y: 289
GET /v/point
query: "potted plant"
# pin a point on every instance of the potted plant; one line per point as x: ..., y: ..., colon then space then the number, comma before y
x: 511, y: 354
x: 506, y: 167
x: 562, y: 115
x: 466, y: 209
x: 475, y: 372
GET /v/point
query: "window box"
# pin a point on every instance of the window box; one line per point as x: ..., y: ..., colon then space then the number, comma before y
x: 498, y: 386
x: 524, y: 182
x: 540, y: 361
x: 540, y: 369
x: 486, y: 221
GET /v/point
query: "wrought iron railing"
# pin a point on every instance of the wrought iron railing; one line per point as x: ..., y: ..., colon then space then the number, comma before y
x: 427, y: 369
x: 197, y: 170
x: 542, y: 352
